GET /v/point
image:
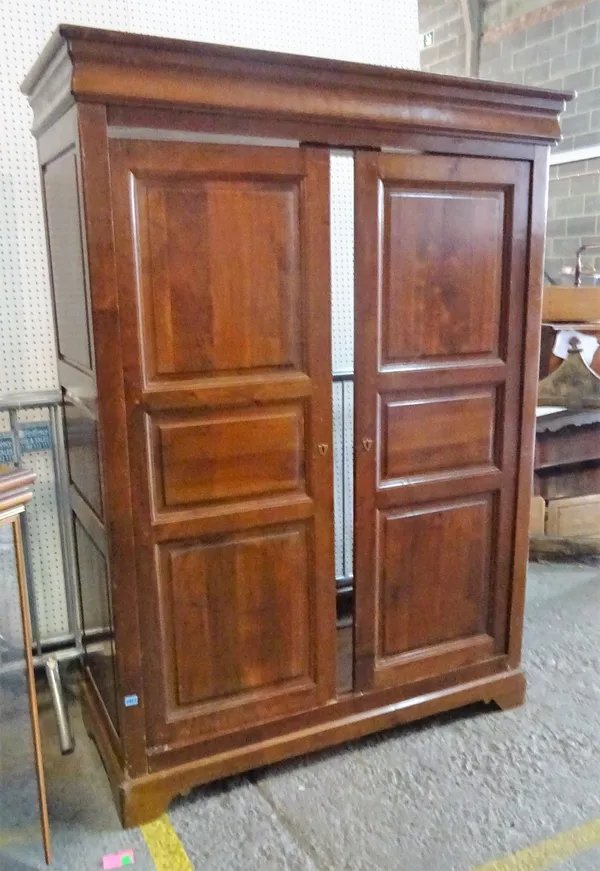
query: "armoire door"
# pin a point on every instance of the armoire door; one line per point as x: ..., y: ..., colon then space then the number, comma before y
x: 223, y: 272
x: 441, y: 247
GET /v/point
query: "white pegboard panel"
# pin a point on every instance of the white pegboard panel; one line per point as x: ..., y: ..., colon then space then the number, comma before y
x: 384, y: 33
x: 341, y: 193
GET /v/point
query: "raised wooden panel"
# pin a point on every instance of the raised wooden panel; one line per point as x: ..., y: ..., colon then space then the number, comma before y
x: 230, y: 455
x: 437, y: 433
x: 435, y: 578
x: 81, y: 442
x: 97, y: 619
x: 441, y: 285
x: 240, y: 614
x: 61, y: 195
x: 220, y: 273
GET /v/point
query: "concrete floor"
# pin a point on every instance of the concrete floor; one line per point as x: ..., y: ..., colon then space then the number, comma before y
x: 451, y: 794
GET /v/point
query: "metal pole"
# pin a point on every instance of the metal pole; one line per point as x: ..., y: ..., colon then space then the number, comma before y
x: 18, y: 461
x: 65, y: 736
x: 348, y: 387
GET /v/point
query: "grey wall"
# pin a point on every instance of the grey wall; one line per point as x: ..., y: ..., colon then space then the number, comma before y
x: 447, y: 55
x: 555, y: 45
x: 573, y: 215
x: 497, y: 12
x: 527, y: 42
x: 560, y: 52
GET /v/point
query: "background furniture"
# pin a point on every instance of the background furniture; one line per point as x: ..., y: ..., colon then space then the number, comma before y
x: 565, y: 511
x: 15, y: 493
x: 566, y: 503
x: 186, y: 190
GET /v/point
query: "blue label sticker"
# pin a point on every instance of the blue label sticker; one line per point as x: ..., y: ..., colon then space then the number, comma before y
x: 35, y: 437
x: 32, y: 437
x: 6, y: 448
x: 131, y: 701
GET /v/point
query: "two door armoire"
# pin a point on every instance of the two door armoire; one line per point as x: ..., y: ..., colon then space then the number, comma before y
x: 186, y: 192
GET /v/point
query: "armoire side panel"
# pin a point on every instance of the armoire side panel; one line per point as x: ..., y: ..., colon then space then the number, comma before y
x: 97, y: 619
x: 442, y: 279
x: 60, y: 159
x: 59, y: 178
x: 81, y: 443
x: 222, y: 257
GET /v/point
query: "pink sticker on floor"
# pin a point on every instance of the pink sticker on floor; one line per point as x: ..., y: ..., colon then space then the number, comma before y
x: 118, y: 860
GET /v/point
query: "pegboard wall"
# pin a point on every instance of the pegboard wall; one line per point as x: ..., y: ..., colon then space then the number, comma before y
x: 381, y: 32
x: 341, y: 199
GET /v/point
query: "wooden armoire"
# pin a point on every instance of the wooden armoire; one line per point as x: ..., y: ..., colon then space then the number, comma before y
x: 186, y: 199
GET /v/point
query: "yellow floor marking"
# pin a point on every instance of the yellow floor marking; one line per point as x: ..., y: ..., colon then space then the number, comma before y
x: 549, y: 853
x: 20, y: 835
x: 168, y: 854
x: 165, y: 847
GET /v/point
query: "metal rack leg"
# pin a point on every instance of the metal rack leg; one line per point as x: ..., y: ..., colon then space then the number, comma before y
x: 65, y: 735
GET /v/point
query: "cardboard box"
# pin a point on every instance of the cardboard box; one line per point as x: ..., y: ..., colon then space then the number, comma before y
x: 571, y: 304
x: 575, y: 517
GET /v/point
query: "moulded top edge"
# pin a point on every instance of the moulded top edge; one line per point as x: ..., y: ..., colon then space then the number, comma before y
x: 472, y: 90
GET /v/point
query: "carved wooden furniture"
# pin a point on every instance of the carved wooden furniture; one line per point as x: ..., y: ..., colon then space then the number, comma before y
x: 565, y: 507
x: 573, y: 385
x: 568, y: 308
x: 567, y: 484
x: 186, y: 192
x: 567, y: 454
x: 567, y: 458
x: 15, y: 493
